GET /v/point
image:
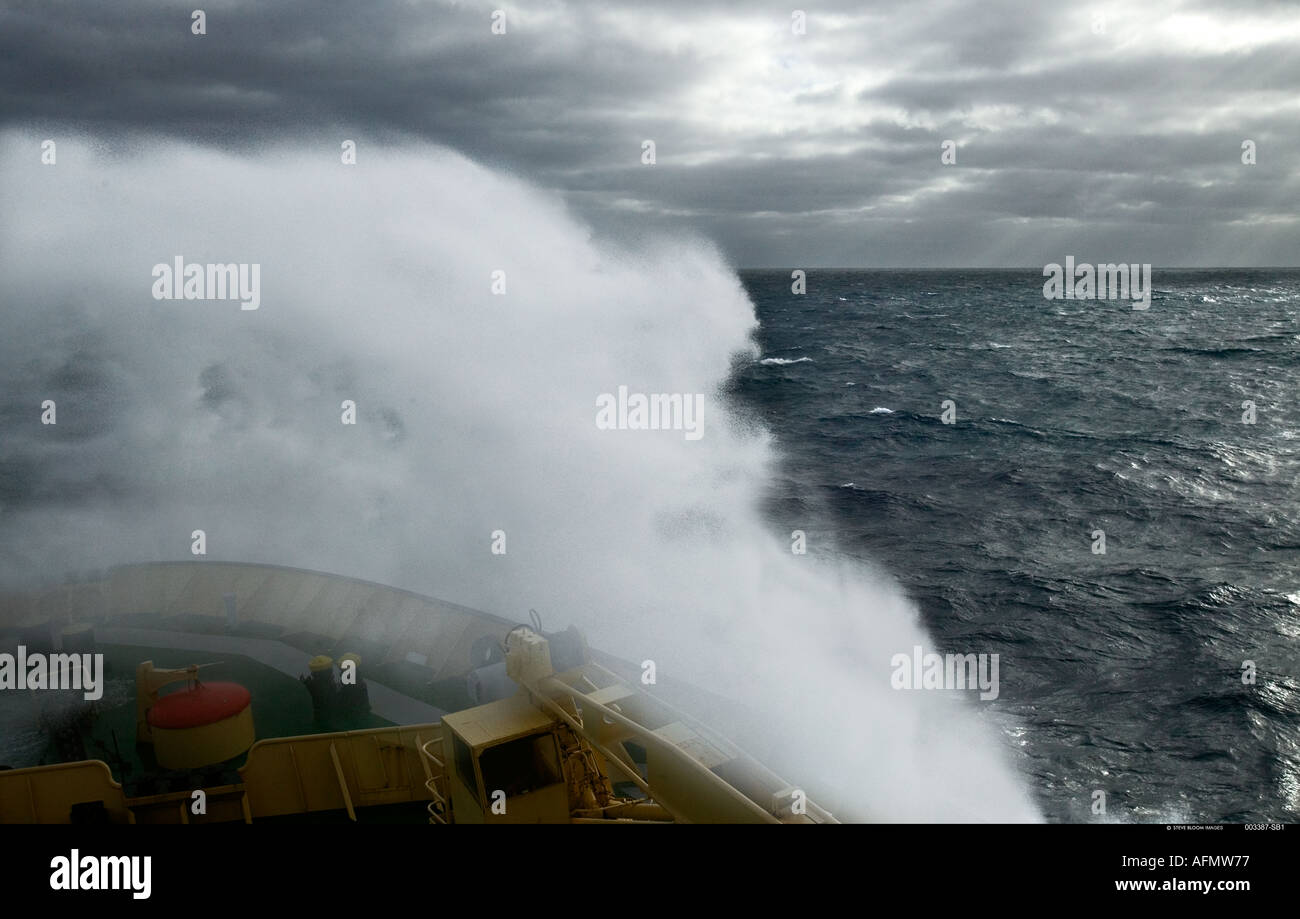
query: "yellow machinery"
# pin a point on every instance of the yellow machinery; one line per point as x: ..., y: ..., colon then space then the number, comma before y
x: 202, y: 724
x: 579, y: 745
x: 559, y: 750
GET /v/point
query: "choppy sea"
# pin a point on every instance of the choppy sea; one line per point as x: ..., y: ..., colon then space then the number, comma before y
x: 1164, y: 671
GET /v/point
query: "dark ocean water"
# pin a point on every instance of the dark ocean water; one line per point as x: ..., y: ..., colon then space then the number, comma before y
x: 1123, y: 671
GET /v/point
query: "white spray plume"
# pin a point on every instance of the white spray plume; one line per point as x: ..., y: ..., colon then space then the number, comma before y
x: 475, y: 412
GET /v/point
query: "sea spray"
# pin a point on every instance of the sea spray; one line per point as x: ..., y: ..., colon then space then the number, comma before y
x: 468, y: 324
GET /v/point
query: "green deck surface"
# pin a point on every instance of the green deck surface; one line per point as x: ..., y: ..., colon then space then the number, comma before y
x: 281, y: 708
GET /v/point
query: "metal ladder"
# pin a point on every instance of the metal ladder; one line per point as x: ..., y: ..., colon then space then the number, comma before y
x: 440, y: 806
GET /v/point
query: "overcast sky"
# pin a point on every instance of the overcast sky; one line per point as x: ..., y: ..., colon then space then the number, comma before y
x: 1113, y: 138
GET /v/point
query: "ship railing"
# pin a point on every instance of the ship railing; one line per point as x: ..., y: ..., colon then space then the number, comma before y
x: 815, y: 813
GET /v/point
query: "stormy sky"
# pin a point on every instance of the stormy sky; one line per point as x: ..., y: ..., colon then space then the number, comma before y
x: 1109, y: 131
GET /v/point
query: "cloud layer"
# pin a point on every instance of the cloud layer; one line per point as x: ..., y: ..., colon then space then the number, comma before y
x: 1110, y: 131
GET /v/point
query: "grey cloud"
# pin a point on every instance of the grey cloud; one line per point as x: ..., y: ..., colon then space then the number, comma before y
x: 1054, y: 122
